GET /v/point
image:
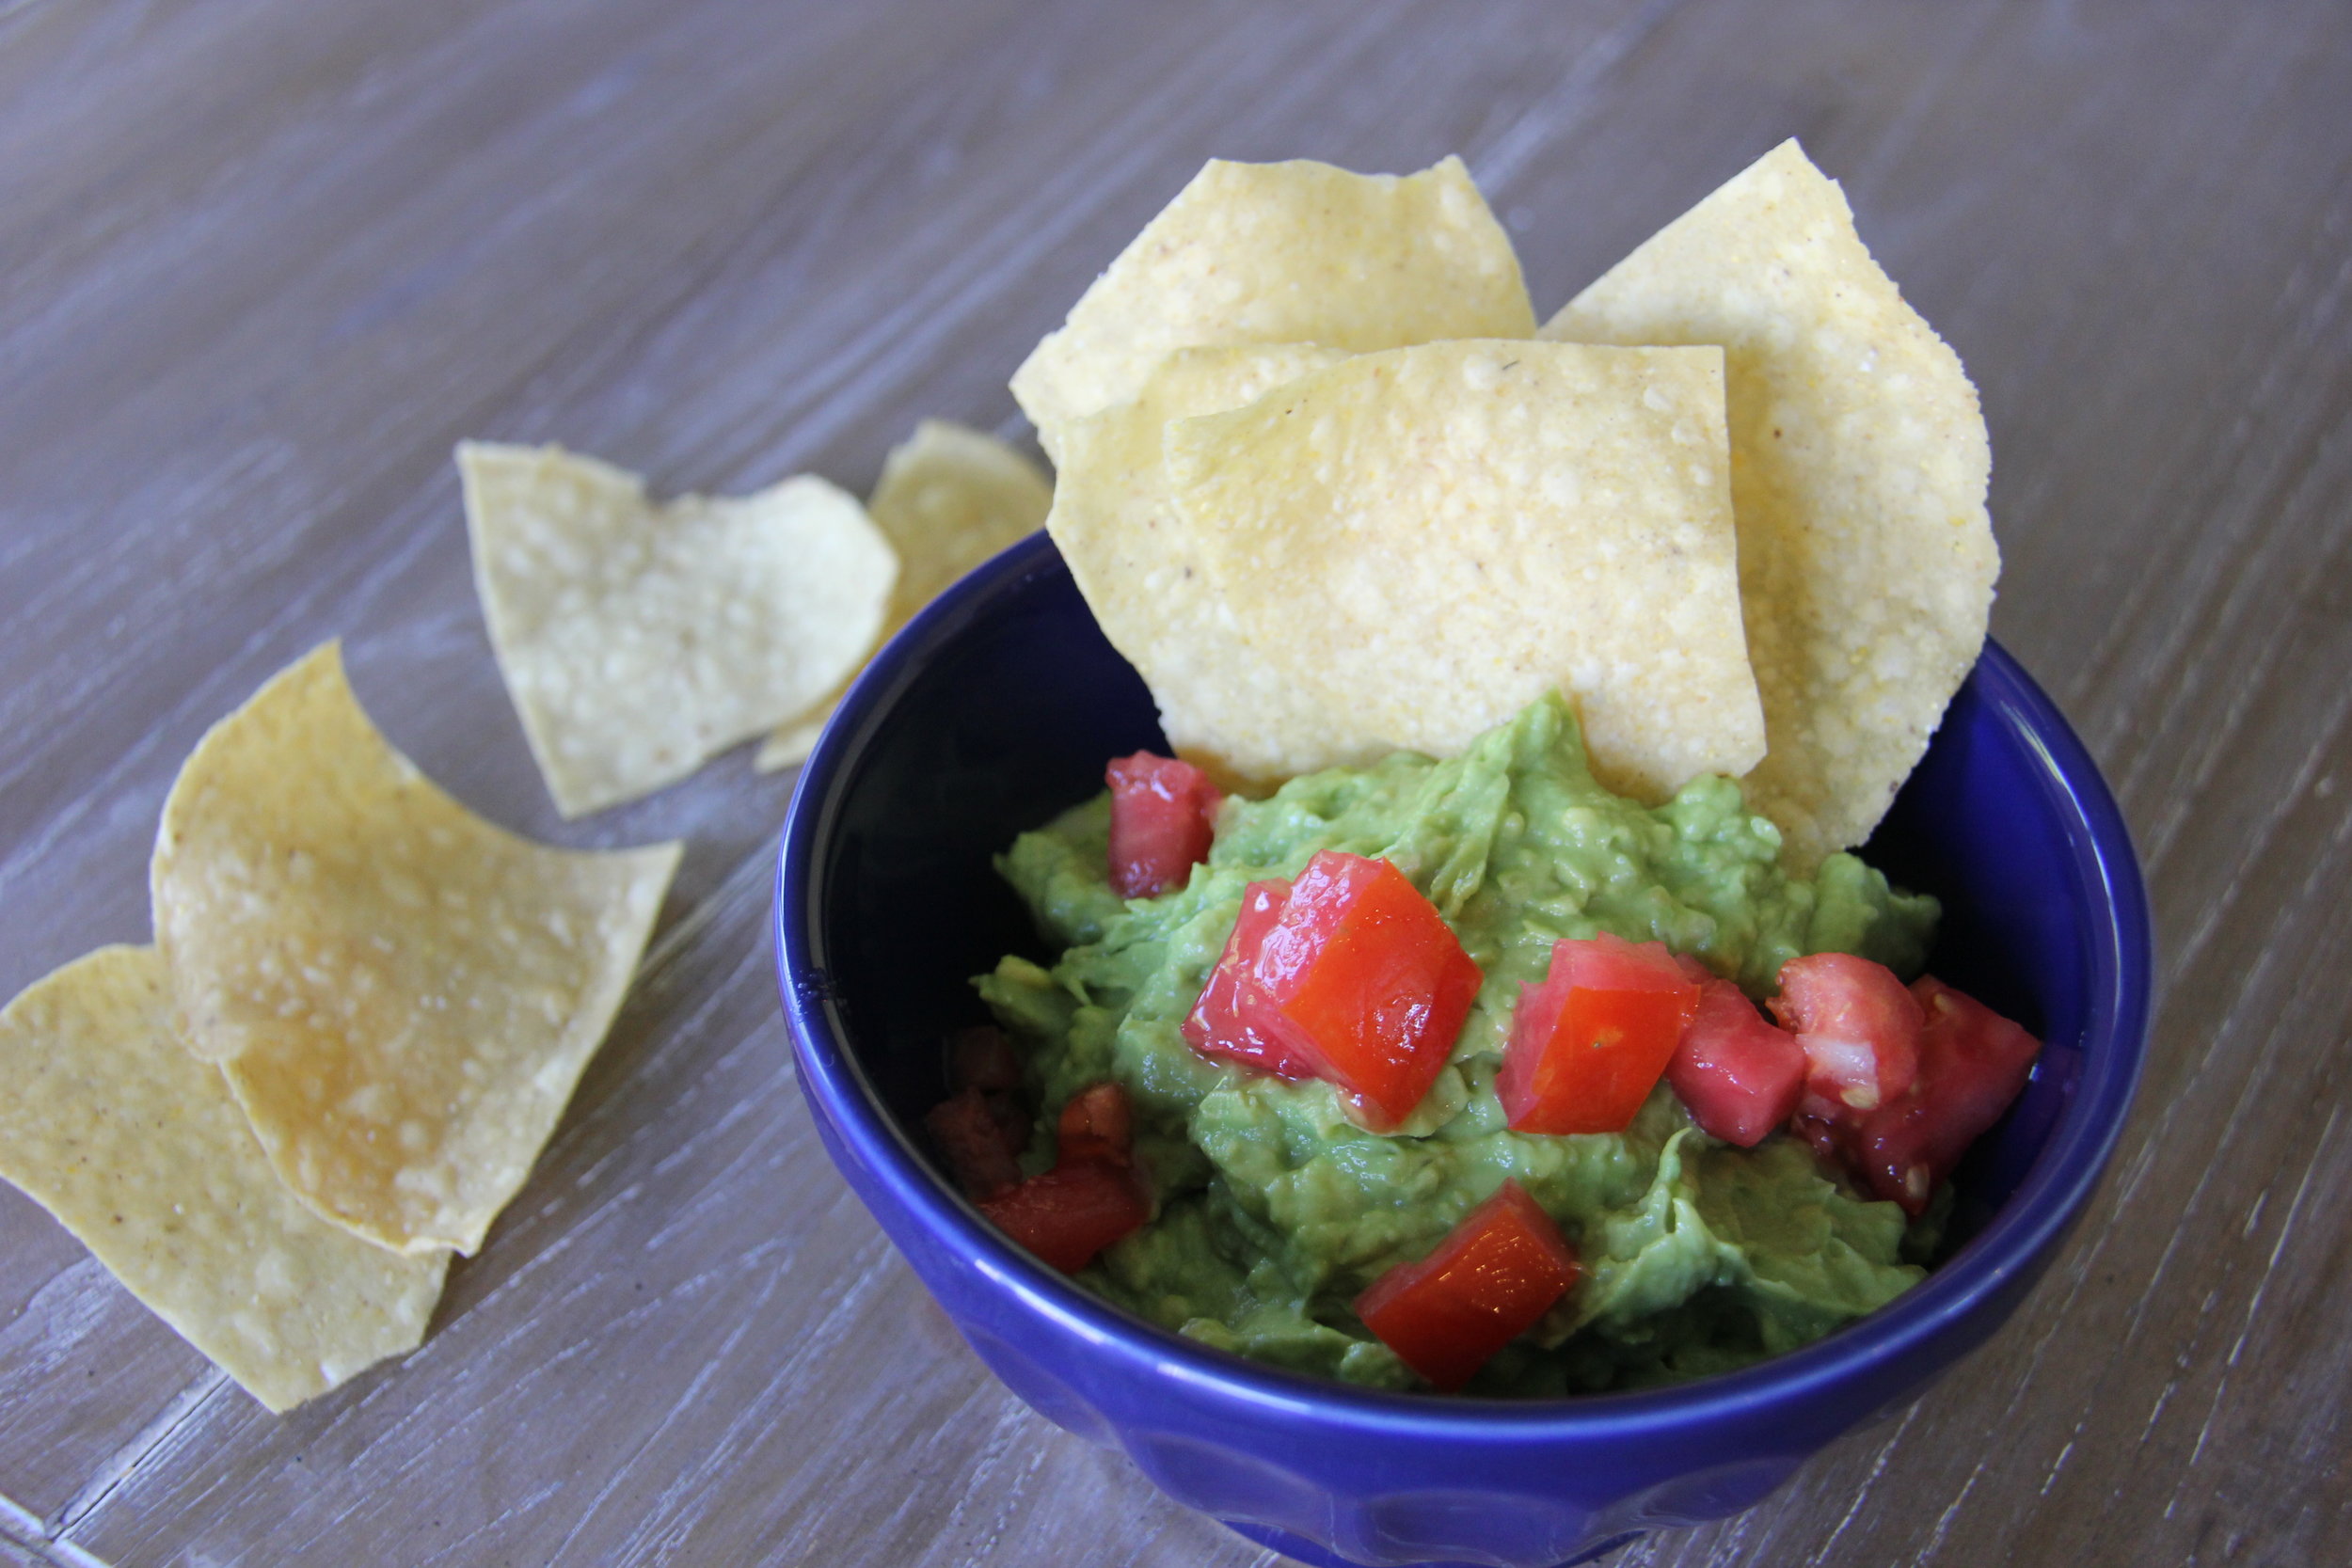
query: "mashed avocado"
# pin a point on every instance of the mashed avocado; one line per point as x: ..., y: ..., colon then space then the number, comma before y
x: 1275, y: 1210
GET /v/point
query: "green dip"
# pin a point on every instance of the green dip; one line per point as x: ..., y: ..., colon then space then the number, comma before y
x: 1275, y: 1210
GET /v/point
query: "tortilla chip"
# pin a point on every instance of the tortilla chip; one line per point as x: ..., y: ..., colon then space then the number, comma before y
x: 638, y: 640
x: 789, y: 746
x: 1221, y: 704
x: 1425, y: 540
x: 1859, y: 463
x: 1296, y: 252
x: 401, y: 994
x: 948, y: 499
x: 138, y: 1150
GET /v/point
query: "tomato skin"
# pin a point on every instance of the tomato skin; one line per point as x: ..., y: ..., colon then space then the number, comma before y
x: 1163, y: 820
x: 1092, y: 1196
x: 1590, y: 1040
x: 1219, y: 1025
x: 1347, y: 975
x: 1738, y: 1075
x: 1859, y: 1028
x: 1973, y: 1063
x: 1486, y: 1284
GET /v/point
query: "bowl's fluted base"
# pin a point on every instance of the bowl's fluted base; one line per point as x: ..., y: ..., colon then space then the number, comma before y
x: 1317, y: 1557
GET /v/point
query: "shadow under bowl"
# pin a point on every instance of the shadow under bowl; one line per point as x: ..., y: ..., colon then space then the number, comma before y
x: 999, y: 706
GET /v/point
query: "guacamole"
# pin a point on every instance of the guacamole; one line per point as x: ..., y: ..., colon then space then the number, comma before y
x: 1274, y: 1211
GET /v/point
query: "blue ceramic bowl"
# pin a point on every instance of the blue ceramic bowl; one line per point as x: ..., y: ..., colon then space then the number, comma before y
x: 999, y: 706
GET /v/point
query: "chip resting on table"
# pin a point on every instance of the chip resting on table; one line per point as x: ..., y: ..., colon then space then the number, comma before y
x: 640, y: 640
x: 1859, y: 463
x: 139, y: 1150
x: 1296, y: 252
x: 1428, y: 539
x: 949, y: 497
x: 401, y: 994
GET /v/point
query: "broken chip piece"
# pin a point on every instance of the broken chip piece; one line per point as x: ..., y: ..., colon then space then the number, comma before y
x: 1859, y: 465
x: 1294, y: 252
x: 1423, y: 541
x: 139, y: 1151
x: 401, y: 994
x: 638, y: 640
x: 949, y: 497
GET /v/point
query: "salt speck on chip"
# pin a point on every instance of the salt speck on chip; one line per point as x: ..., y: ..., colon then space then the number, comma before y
x: 1281, y: 253
x: 949, y: 497
x: 636, y: 640
x: 401, y: 994
x: 1425, y: 540
x: 138, y: 1150
x: 1859, y: 465
x: 1221, y: 704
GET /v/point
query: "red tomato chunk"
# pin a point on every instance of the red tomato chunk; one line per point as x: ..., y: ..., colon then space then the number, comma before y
x: 981, y: 1057
x: 1973, y: 1063
x: 1859, y: 1029
x: 1353, y: 977
x: 1070, y: 1213
x: 1219, y: 1025
x: 1163, y: 819
x: 1097, y: 1125
x: 1738, y: 1076
x: 983, y: 1160
x: 1589, y: 1042
x: 1091, y: 1197
x: 1489, y: 1282
x: 983, y: 1128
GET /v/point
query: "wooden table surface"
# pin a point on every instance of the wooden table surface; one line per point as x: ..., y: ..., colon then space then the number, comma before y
x: 262, y: 262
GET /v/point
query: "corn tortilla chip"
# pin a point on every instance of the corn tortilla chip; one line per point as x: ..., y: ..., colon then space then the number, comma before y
x: 948, y: 499
x: 139, y: 1151
x: 1859, y: 463
x: 1221, y: 704
x: 789, y: 745
x: 1281, y: 253
x: 1426, y: 539
x: 638, y: 640
x: 401, y: 994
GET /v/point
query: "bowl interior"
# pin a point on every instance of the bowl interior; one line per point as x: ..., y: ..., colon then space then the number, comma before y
x: 999, y: 706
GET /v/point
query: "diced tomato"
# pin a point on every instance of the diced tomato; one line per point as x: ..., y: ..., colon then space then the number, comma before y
x: 1487, y: 1283
x: 1218, y: 1026
x: 1973, y: 1063
x: 983, y: 1160
x: 982, y: 1058
x: 1859, y: 1029
x: 1589, y: 1042
x: 1163, y: 819
x: 982, y: 1129
x: 1091, y: 1197
x: 1070, y: 1213
x: 1356, y: 980
x: 1738, y: 1076
x: 1097, y: 1124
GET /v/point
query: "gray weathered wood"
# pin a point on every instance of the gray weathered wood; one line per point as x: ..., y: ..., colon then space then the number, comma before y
x: 264, y: 263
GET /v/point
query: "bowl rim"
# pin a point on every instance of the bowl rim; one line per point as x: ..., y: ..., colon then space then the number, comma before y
x: 2014, y: 1239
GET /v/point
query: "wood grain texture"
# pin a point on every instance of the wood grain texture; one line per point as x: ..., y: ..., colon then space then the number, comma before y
x: 262, y: 263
